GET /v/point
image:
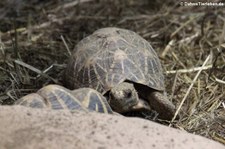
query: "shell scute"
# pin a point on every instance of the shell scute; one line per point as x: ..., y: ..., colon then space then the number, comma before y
x: 118, y: 55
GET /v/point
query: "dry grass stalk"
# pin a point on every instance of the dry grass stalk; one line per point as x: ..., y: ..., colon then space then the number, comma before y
x: 189, y: 70
x: 34, y: 70
x: 190, y: 87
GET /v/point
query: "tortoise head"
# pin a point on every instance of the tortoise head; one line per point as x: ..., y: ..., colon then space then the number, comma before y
x: 124, y: 98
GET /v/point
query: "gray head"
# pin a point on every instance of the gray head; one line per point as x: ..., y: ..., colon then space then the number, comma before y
x: 124, y: 98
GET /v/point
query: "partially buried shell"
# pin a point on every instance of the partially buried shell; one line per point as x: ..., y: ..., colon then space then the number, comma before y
x: 57, y: 97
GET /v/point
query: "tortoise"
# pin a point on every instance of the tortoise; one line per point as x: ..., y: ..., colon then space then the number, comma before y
x: 122, y: 66
x: 57, y: 97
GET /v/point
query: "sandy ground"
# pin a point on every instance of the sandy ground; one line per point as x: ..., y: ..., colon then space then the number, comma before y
x: 26, y: 128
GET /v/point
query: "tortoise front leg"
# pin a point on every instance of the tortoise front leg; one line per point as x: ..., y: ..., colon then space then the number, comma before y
x: 159, y: 102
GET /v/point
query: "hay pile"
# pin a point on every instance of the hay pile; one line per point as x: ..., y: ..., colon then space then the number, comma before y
x: 37, y: 37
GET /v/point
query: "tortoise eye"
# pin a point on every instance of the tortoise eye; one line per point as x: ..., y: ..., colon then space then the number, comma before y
x: 127, y: 93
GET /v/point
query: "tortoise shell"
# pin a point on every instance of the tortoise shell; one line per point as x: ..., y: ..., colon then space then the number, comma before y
x: 57, y: 97
x: 110, y: 56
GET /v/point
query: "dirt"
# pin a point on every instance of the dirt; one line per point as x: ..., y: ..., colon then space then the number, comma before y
x: 29, y: 128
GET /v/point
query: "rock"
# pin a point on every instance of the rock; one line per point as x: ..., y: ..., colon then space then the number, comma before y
x: 26, y: 128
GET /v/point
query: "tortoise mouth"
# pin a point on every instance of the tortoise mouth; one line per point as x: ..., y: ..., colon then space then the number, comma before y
x: 141, y: 105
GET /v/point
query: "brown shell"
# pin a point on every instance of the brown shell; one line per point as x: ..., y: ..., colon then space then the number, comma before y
x: 110, y: 56
x: 57, y: 97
